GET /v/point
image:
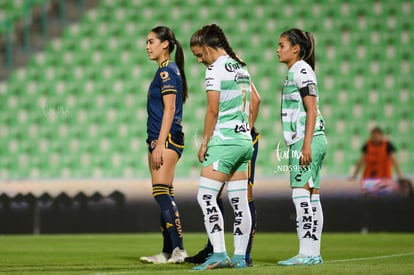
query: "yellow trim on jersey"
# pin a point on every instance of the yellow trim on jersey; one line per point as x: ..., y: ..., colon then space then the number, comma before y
x: 169, y: 140
x: 169, y: 90
x: 164, y: 63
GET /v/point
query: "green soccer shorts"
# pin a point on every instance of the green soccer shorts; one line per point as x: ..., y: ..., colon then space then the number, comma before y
x: 300, y: 175
x: 229, y: 158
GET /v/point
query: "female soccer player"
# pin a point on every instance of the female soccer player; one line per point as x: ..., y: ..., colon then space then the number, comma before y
x: 303, y: 131
x: 203, y: 254
x: 165, y: 138
x: 226, y: 144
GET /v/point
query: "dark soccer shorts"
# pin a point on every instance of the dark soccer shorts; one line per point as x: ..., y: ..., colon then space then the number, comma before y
x: 174, y: 142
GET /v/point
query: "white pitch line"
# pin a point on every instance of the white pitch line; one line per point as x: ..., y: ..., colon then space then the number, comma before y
x: 370, y: 258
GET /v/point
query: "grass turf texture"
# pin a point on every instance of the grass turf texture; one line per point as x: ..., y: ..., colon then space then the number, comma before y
x: 112, y: 254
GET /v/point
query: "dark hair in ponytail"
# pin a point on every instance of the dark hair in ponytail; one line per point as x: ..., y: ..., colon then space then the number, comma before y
x: 214, y: 37
x: 165, y: 33
x: 306, y: 42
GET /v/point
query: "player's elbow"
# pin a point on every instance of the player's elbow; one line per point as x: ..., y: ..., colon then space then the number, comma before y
x: 169, y: 109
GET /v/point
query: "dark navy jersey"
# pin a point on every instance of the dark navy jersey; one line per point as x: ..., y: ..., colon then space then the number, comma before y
x: 167, y: 80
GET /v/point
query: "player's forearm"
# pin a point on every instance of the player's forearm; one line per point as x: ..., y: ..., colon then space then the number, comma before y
x: 254, y: 111
x: 167, y: 120
x: 209, y: 125
x: 254, y: 106
x: 311, y: 114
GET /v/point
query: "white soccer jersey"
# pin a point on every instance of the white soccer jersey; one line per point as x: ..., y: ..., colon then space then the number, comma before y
x: 293, y: 111
x: 229, y: 78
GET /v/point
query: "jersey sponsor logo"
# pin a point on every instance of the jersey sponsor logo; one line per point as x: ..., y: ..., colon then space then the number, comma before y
x: 241, y: 78
x: 307, y: 82
x: 241, y: 128
x: 231, y: 66
x: 209, y: 82
x: 303, y: 71
x: 168, y: 89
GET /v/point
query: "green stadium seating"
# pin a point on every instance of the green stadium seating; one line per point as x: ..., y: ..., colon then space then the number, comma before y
x: 78, y: 109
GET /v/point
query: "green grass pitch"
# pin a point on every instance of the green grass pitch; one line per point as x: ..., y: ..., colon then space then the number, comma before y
x: 113, y: 254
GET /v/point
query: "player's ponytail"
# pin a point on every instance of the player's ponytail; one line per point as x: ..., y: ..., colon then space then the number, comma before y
x: 309, y: 56
x: 165, y: 33
x: 179, y: 60
x: 306, y: 43
x: 214, y: 37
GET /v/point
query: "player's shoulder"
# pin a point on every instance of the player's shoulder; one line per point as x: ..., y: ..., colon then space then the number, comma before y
x: 303, y: 73
x: 168, y: 65
x: 302, y: 68
x: 168, y: 69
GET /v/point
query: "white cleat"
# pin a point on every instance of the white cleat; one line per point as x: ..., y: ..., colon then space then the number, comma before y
x: 178, y: 255
x: 161, y: 258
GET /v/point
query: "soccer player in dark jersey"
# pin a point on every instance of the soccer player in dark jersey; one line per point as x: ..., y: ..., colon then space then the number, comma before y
x: 165, y: 137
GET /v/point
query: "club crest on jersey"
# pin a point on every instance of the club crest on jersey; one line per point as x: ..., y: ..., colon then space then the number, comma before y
x: 164, y: 76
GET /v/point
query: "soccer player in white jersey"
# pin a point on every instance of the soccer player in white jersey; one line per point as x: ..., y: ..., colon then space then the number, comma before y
x: 303, y: 131
x: 226, y: 145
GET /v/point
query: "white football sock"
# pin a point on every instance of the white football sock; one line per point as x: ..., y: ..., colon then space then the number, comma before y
x: 304, y: 220
x: 213, y: 218
x: 317, y: 224
x: 237, y: 193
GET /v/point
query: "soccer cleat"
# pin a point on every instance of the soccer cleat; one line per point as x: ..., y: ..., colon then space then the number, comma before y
x: 238, y: 262
x: 178, y: 255
x: 217, y: 260
x: 161, y: 258
x: 316, y: 260
x: 200, y: 257
x: 297, y: 260
x: 249, y: 262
